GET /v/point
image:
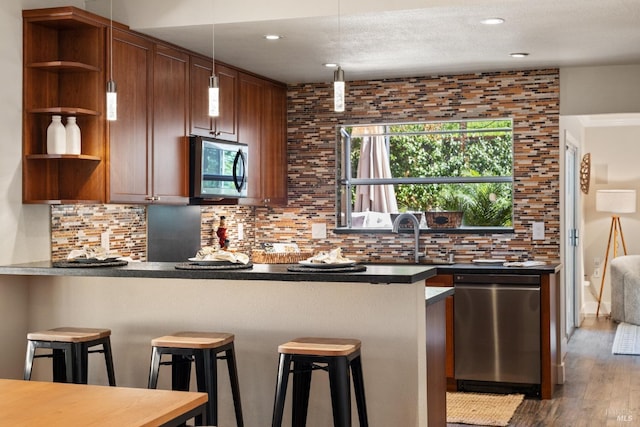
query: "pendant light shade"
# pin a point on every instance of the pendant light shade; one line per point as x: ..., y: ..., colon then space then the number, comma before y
x: 112, y: 101
x: 214, y: 97
x: 338, y: 90
x: 112, y: 96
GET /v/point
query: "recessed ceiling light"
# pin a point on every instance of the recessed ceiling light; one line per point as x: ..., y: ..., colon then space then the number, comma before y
x: 492, y: 21
x: 518, y: 54
x: 330, y: 65
x: 272, y: 37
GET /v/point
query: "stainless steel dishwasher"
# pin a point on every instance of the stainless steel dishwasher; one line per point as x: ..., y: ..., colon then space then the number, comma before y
x: 497, y: 332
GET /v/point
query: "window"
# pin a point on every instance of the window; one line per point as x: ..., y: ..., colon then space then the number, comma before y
x: 453, y: 166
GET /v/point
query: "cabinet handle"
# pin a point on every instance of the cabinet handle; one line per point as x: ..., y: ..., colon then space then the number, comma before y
x: 149, y: 198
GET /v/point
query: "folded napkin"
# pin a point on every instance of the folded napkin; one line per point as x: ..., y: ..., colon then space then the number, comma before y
x: 88, y: 252
x: 334, y: 256
x: 209, y: 253
x: 524, y: 264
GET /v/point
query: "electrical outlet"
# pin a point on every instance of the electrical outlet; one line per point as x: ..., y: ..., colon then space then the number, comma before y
x: 538, y: 230
x: 318, y: 230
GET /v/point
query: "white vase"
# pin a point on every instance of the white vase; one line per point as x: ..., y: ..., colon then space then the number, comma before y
x: 56, y: 136
x: 73, y: 136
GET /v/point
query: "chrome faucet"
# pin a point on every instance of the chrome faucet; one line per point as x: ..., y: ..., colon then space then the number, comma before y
x: 416, y: 230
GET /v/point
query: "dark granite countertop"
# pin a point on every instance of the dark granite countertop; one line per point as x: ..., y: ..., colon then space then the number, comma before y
x: 377, y: 274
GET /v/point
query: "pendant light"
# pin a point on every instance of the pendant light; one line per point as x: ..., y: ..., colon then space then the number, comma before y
x: 112, y: 96
x: 214, y: 90
x: 338, y: 90
x: 338, y: 75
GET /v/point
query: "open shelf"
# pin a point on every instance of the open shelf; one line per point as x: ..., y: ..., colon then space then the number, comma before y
x: 64, y: 66
x: 63, y: 156
x: 74, y: 111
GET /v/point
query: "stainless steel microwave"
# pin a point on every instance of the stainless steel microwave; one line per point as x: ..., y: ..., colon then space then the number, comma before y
x: 217, y: 169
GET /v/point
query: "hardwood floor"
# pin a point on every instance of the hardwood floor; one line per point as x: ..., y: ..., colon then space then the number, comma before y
x: 601, y: 389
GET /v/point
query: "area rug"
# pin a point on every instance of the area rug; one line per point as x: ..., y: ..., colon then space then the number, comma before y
x: 627, y: 339
x: 482, y: 409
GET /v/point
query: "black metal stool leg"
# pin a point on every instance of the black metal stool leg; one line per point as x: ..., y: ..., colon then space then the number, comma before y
x: 155, y: 368
x: 80, y: 362
x: 281, y: 389
x: 180, y: 372
x: 28, y: 362
x: 235, y: 385
x: 207, y: 376
x: 108, y: 359
x: 340, y: 391
x: 358, y: 386
x: 301, y: 387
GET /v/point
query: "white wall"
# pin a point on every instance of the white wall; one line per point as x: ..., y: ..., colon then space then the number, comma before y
x: 600, y: 90
x: 614, y: 159
x: 24, y: 229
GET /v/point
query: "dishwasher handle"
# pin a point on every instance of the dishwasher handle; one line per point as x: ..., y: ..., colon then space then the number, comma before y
x: 498, y: 279
x: 496, y: 287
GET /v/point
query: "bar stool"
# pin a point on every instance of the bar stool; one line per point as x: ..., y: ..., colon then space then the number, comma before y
x: 337, y: 356
x: 70, y: 352
x: 203, y: 348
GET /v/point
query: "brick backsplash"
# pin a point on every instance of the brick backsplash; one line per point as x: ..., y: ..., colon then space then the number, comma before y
x: 530, y: 98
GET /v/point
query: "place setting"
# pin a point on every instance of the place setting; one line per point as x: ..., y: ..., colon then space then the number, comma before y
x: 327, y: 262
x: 89, y: 257
x: 214, y: 258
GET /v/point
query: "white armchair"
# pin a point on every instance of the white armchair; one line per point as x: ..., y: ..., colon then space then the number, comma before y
x: 625, y: 289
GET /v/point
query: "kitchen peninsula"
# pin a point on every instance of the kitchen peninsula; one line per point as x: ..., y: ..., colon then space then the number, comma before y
x: 386, y: 307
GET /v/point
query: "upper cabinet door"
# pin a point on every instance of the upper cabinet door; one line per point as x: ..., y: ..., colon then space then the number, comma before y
x: 225, y: 126
x: 130, y: 135
x: 170, y: 125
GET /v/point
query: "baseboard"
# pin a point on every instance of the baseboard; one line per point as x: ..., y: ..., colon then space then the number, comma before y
x: 590, y: 308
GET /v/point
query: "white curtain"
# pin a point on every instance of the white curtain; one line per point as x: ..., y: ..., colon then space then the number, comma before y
x: 374, y: 163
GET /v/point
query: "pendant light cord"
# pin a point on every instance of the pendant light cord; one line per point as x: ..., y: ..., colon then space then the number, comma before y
x: 111, y: 40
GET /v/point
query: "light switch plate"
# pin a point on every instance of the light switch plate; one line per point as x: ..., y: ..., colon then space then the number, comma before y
x: 538, y: 230
x: 318, y: 230
x: 240, y: 231
x: 104, y: 240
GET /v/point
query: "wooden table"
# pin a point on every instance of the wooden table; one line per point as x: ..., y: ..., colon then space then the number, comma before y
x: 34, y: 403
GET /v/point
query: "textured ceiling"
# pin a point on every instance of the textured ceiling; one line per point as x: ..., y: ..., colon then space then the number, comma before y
x: 440, y: 37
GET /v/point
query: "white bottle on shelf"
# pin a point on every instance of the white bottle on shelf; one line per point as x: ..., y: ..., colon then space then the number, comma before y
x: 56, y: 136
x: 73, y: 136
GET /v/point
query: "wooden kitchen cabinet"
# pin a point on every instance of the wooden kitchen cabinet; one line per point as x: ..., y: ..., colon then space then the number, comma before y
x: 148, y: 147
x: 446, y: 280
x: 130, y: 135
x: 142, y: 157
x: 170, y: 162
x: 262, y: 125
x: 63, y: 75
x: 225, y: 126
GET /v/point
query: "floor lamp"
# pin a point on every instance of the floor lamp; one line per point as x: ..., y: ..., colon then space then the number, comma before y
x: 614, y: 202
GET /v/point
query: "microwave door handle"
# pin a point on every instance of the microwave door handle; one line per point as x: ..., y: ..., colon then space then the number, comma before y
x: 239, y: 157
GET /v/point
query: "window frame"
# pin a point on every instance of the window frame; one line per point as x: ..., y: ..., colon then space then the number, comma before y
x: 345, y: 182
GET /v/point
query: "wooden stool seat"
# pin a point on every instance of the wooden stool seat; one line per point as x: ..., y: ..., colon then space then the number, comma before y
x: 320, y: 346
x: 203, y: 348
x: 70, y: 348
x: 340, y: 357
x: 69, y: 334
x: 193, y: 340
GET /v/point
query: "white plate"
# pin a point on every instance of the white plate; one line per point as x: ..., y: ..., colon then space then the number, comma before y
x: 327, y: 265
x: 489, y: 261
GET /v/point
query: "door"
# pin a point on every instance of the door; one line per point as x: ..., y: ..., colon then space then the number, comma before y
x: 571, y: 261
x: 130, y: 136
x: 170, y: 125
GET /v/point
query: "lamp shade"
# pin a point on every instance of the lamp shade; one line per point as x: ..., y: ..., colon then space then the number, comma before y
x: 616, y: 201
